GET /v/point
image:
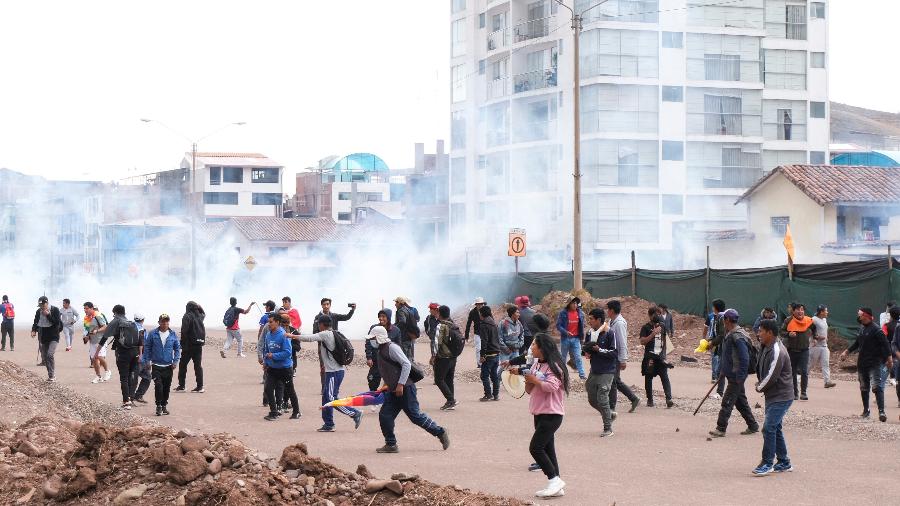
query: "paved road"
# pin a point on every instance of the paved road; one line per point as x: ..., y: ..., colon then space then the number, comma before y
x: 646, y: 462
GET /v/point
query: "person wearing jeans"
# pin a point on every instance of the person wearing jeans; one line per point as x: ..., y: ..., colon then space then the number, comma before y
x: 490, y: 353
x: 472, y: 324
x: 600, y: 348
x: 619, y: 328
x: 443, y: 360
x: 162, y: 349
x: 774, y: 374
x: 653, y: 337
x: 735, y: 368
x: 127, y: 359
x: 819, y: 354
x: 874, y: 352
x: 570, y: 324
x: 797, y: 331
x: 7, y: 327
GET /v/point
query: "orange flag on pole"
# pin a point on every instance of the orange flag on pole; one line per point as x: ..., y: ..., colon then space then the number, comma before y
x: 789, y: 243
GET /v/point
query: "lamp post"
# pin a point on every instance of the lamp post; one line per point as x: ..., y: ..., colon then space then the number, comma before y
x: 577, y: 19
x: 192, y: 200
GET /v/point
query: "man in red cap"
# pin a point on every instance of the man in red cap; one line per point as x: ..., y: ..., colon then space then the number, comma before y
x: 431, y: 325
x: 874, y: 350
x: 526, y: 316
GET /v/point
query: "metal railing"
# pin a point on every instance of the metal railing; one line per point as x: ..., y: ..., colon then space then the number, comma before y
x: 723, y: 177
x: 532, y: 29
x: 497, y: 88
x: 621, y: 174
x: 498, y: 39
x: 535, y: 80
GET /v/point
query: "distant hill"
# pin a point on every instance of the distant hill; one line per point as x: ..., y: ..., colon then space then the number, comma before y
x: 865, y: 127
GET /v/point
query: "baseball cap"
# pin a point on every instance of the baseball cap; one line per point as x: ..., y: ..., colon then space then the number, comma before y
x: 433, y: 305
x: 402, y: 300
x: 138, y: 317
x: 379, y: 334
x: 163, y: 317
x: 42, y: 299
x: 731, y: 314
x: 479, y: 300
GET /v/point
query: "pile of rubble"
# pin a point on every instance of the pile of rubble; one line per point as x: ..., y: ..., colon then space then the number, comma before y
x: 57, y: 458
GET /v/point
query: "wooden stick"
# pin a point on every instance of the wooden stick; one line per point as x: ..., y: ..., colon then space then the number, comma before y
x: 707, y: 395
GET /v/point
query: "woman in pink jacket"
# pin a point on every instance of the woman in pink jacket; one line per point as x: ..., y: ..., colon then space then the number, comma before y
x: 548, y: 383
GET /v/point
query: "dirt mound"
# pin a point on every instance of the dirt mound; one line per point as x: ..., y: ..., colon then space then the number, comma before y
x: 118, y: 458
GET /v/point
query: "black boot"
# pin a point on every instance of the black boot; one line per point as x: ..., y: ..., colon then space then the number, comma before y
x: 159, y: 410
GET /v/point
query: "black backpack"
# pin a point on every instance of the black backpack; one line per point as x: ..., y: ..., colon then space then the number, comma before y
x: 455, y: 342
x: 754, y: 356
x: 128, y: 336
x: 343, y: 349
x: 229, y: 318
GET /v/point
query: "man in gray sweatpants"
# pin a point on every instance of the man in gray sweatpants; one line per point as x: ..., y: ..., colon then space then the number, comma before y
x: 46, y: 327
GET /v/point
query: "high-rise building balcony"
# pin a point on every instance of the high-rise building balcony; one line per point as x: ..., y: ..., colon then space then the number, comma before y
x: 535, y: 80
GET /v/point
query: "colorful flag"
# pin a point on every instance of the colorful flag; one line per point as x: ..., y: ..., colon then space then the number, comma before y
x: 363, y: 399
x: 789, y: 243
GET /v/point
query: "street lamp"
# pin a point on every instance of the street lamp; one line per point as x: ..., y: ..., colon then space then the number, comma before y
x: 577, y: 19
x: 192, y: 204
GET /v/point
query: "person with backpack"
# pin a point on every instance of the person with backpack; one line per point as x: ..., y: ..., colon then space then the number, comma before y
x: 128, y: 347
x: 162, y: 350
x: 47, y: 326
x: 277, y: 355
x: 332, y: 347
x: 145, y: 370
x: 739, y: 357
x: 69, y: 316
x: 448, y: 344
x: 653, y: 337
x: 7, y: 327
x: 336, y: 318
x: 399, y: 388
x: 94, y: 325
x: 384, y: 319
x: 193, y: 337
x: 407, y: 320
x: 715, y: 332
x: 774, y: 371
x: 233, y: 328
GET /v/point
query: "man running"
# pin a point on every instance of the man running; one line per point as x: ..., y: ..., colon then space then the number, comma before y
x: 47, y: 326
x: 399, y: 393
x: 94, y: 325
x: 7, y: 327
x: 162, y: 349
x: 69, y: 316
x: 233, y: 328
x: 443, y: 359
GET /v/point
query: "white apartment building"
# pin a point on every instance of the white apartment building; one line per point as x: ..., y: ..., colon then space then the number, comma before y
x: 684, y: 105
x: 235, y: 184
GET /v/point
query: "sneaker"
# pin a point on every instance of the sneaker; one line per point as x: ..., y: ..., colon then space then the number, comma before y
x: 295, y: 416
x: 865, y: 414
x: 803, y: 397
x: 783, y: 467
x: 96, y: 380
x: 554, y: 487
x: 241, y: 355
x: 198, y: 390
x: 830, y: 384
x: 715, y: 396
x: 669, y: 403
x: 140, y: 399
x: 893, y: 382
x: 179, y: 388
x: 68, y: 348
x: 271, y: 417
x: 165, y: 410
x: 534, y: 466
x: 326, y: 428
x: 450, y: 405
x: 748, y: 431
x: 107, y: 375
x: 882, y: 417
x: 445, y: 406
x: 650, y: 404
x: 763, y: 469
x: 41, y: 364
x: 222, y: 353
x: 444, y: 438
x: 613, y: 415
x: 796, y: 397
x: 388, y: 449
x: 717, y: 433
x: 607, y: 433
x: 496, y: 398
x: 126, y: 406
x: 158, y: 410
x: 357, y: 419
x: 634, y: 404
x: 486, y: 398
x: 51, y: 379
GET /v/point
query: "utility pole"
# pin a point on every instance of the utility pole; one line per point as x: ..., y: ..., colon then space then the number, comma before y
x: 193, y: 205
x: 577, y: 25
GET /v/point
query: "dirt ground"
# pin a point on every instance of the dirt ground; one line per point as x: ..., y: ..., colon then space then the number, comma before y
x: 657, y: 456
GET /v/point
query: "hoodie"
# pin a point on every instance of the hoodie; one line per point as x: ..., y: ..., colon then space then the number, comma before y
x: 512, y: 335
x: 490, y: 338
x: 393, y: 334
x: 278, y: 344
x: 736, y: 355
x: 193, y: 331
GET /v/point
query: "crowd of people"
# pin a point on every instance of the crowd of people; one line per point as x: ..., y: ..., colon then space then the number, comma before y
x: 593, y: 344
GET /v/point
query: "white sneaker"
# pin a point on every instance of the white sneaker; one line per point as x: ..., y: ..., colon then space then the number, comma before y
x: 554, y: 487
x: 241, y: 355
x: 107, y: 376
x: 96, y: 380
x: 893, y: 382
x: 715, y: 396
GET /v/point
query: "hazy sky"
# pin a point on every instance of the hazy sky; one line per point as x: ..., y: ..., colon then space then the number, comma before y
x: 310, y: 79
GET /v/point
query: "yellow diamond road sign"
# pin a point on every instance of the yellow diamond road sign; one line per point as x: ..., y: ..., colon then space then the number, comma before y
x: 250, y: 263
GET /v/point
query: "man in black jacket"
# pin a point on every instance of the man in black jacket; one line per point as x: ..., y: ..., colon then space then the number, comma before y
x: 407, y: 320
x: 874, y: 350
x: 47, y: 326
x: 127, y: 358
x: 490, y: 355
x: 472, y: 323
x: 335, y: 317
x: 193, y: 337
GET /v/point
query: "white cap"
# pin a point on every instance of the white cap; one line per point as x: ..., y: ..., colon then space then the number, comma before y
x: 138, y: 317
x: 379, y: 334
x: 479, y: 300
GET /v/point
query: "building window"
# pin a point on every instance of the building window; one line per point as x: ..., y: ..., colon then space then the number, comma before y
x: 627, y: 11
x: 457, y: 176
x: 723, y: 115
x: 457, y: 215
x: 871, y: 228
x: 722, y: 67
x: 373, y: 197
x: 795, y: 22
x: 481, y: 67
x: 817, y: 109
x: 672, y: 94
x: 784, y: 69
x: 222, y: 198
x: 673, y: 204
x: 481, y: 20
x: 780, y: 224
x: 457, y: 6
x: 264, y: 176
x: 673, y: 151
x: 458, y: 37
x: 714, y: 57
x: 343, y: 195
x: 267, y: 199
x: 233, y: 174
x: 277, y: 250
x: 343, y: 216
x: 458, y: 83
x: 622, y: 53
x: 458, y: 130
x: 785, y: 123
x: 620, y: 163
x: 817, y: 60
x: 215, y: 176
x: 619, y: 108
x: 817, y: 10
x: 673, y: 40
x: 817, y: 157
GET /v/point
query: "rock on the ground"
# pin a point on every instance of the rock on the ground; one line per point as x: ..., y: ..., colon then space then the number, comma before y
x: 52, y: 486
x: 84, y: 480
x: 194, y: 444
x: 187, y: 469
x: 292, y: 457
x: 214, y: 467
x: 363, y: 471
x: 129, y: 495
x: 30, y: 449
x: 27, y: 497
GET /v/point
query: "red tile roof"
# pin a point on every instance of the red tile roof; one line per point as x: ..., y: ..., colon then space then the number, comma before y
x: 284, y: 229
x: 826, y: 184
